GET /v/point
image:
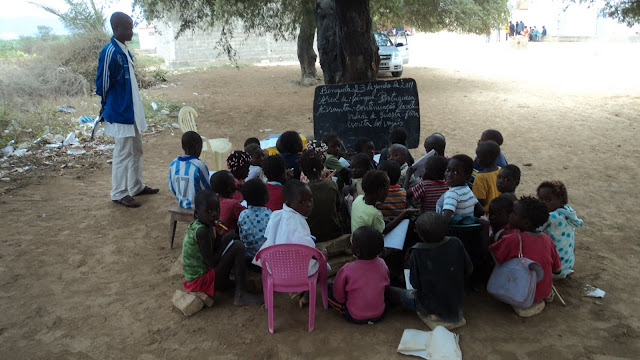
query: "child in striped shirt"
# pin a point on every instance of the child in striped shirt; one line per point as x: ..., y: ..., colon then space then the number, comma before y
x: 459, y: 200
x: 396, y: 200
x: 188, y: 174
x: 433, y: 184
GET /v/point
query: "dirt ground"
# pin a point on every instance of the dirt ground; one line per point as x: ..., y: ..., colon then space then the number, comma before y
x: 81, y: 277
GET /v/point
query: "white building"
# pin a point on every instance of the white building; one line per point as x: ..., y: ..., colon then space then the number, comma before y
x: 147, y: 37
x: 570, y: 19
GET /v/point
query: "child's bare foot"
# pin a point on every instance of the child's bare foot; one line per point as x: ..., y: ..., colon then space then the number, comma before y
x: 304, y: 300
x: 244, y: 298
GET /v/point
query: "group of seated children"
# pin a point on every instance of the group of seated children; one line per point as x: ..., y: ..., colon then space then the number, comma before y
x: 315, y: 195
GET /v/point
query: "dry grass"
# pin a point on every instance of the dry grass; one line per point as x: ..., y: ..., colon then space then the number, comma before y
x: 61, y: 72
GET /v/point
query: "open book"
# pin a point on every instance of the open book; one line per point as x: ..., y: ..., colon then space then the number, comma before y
x: 421, y: 163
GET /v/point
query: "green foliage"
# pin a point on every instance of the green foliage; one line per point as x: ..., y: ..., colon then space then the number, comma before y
x: 148, y: 61
x: 471, y: 16
x: 625, y: 11
x: 45, y: 33
x: 83, y: 16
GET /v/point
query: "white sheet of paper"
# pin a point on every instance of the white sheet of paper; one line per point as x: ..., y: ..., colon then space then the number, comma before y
x: 420, y: 164
x: 395, y: 238
x: 439, y: 344
x: 265, y: 144
x: 376, y: 157
x: 407, y: 276
x: 414, y: 343
x: 344, y: 162
x: 592, y: 291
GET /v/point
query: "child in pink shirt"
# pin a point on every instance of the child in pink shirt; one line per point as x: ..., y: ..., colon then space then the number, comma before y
x: 359, y: 288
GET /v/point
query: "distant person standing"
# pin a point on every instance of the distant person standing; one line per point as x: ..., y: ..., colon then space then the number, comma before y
x: 124, y: 114
x: 512, y: 29
x: 517, y: 27
x: 544, y: 31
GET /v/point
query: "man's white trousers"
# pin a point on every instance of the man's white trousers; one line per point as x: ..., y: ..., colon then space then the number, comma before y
x: 126, y: 166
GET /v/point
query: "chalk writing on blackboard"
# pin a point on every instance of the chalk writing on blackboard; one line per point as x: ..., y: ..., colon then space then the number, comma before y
x: 368, y: 109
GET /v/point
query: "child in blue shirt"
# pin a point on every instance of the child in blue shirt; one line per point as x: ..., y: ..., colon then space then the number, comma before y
x: 188, y: 174
x: 253, y: 221
x: 562, y: 223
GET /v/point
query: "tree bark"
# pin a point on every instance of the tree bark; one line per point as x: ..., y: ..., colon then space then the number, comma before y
x: 306, y: 55
x: 358, y: 44
x: 331, y: 59
x: 348, y: 50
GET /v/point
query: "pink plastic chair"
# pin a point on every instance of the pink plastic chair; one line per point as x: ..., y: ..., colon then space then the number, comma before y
x: 285, y: 268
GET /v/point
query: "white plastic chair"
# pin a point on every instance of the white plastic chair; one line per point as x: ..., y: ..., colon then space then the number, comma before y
x: 217, y: 147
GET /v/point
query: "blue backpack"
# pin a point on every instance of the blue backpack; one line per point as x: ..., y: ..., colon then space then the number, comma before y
x: 514, y: 281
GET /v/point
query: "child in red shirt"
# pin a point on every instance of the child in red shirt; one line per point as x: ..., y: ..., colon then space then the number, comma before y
x: 223, y: 183
x: 238, y: 163
x: 500, y: 210
x: 529, y: 214
x: 358, y: 291
x: 274, y: 170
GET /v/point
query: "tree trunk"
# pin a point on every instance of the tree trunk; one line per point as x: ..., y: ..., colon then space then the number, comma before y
x: 348, y: 50
x: 359, y: 47
x: 306, y: 54
x: 331, y: 59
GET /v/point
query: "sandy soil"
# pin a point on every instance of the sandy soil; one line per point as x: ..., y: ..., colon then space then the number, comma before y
x: 82, y: 278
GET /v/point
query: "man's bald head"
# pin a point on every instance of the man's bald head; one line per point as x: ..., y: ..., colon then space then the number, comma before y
x: 122, y: 26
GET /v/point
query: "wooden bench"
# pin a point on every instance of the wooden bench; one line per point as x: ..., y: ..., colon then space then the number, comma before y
x: 178, y: 214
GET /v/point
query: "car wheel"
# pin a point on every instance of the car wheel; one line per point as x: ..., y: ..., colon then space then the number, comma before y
x: 396, y: 73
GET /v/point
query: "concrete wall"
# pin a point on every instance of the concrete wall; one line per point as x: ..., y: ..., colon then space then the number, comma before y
x: 194, y: 48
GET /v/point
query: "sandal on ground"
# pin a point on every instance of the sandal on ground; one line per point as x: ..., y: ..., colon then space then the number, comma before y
x: 303, y: 301
x: 549, y: 299
x: 433, y: 321
x: 148, y: 191
x: 535, y: 309
x: 128, y: 201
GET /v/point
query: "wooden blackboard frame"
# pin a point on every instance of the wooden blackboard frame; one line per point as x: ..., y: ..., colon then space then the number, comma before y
x: 368, y: 109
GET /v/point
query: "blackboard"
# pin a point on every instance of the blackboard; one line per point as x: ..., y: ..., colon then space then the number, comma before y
x: 367, y: 109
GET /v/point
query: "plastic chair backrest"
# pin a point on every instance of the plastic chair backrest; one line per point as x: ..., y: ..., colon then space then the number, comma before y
x: 187, y: 119
x: 288, y: 264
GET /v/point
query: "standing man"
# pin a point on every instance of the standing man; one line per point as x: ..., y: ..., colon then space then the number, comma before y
x: 124, y: 114
x: 512, y: 29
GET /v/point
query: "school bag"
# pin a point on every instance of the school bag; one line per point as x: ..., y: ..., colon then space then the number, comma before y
x: 514, y: 281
